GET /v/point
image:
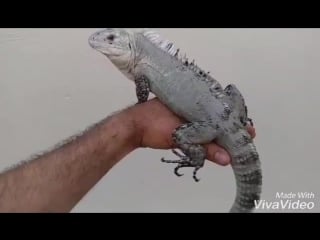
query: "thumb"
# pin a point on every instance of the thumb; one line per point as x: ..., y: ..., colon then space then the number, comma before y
x: 217, y: 154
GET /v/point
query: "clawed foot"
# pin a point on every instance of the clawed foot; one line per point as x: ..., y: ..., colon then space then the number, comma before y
x: 181, y: 163
x: 184, y: 161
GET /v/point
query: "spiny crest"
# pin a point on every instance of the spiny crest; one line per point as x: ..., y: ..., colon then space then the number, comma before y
x: 169, y: 47
x: 164, y: 44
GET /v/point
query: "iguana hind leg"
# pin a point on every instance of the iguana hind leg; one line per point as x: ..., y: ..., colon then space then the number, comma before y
x: 189, y: 137
x: 236, y: 100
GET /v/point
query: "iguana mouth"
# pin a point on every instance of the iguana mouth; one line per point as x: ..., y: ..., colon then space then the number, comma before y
x: 92, y: 40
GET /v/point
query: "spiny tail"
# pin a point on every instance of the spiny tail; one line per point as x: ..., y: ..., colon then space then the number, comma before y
x: 248, y: 175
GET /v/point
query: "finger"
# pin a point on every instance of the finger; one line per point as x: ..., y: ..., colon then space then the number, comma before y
x: 251, y: 131
x: 220, y: 156
x: 217, y: 154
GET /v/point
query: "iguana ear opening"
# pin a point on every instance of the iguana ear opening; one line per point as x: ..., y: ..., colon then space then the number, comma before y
x: 228, y: 89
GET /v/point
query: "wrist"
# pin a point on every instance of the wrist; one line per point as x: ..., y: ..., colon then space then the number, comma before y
x: 135, y: 117
x: 115, y: 137
x: 130, y: 124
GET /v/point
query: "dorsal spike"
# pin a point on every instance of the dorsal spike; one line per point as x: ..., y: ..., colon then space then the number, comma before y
x: 177, y: 52
x: 169, y: 47
x: 163, y: 44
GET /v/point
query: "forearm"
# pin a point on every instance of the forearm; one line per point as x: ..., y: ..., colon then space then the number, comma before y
x: 56, y: 181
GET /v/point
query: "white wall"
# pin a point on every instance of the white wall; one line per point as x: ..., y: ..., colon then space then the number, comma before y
x: 52, y: 85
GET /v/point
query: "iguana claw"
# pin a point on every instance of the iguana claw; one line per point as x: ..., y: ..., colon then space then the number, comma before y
x: 183, y: 163
x: 195, y: 174
x: 176, y: 169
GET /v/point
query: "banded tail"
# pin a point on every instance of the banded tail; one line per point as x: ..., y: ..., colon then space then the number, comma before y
x: 248, y: 175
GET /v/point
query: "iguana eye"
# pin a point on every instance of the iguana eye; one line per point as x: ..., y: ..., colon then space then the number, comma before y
x: 111, y: 37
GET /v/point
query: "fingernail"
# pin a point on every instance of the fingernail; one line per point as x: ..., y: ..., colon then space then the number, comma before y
x: 221, y: 158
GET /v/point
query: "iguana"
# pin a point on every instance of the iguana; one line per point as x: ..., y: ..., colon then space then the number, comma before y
x: 211, y: 112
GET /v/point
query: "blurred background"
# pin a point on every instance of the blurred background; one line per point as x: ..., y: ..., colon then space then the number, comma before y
x: 53, y: 85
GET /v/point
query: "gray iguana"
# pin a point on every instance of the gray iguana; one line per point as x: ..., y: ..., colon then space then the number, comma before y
x: 211, y: 112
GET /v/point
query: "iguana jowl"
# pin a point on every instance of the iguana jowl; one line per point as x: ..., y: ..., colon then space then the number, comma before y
x: 212, y: 113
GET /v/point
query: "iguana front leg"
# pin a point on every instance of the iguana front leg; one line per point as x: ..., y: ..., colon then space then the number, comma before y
x: 142, y: 88
x: 189, y: 137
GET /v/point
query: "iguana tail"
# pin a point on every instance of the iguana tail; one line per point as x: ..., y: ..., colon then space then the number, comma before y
x: 248, y: 175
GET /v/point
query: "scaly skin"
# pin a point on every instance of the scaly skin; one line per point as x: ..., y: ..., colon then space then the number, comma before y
x: 213, y: 113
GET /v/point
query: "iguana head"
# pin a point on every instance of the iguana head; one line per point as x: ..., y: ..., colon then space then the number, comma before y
x: 117, y: 45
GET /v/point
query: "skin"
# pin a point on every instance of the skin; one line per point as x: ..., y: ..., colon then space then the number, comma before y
x: 57, y: 180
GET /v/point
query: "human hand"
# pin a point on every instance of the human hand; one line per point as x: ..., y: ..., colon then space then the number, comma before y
x: 155, y: 124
